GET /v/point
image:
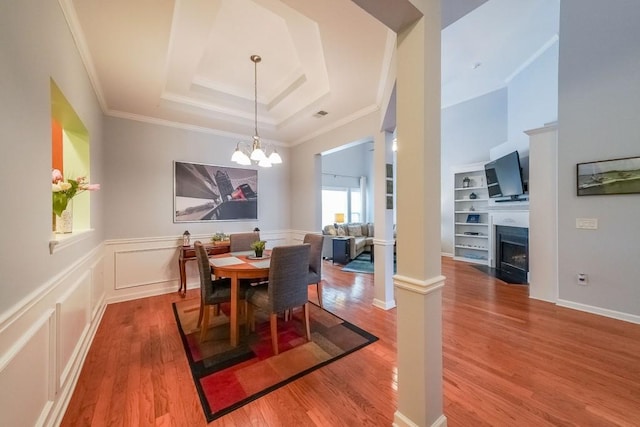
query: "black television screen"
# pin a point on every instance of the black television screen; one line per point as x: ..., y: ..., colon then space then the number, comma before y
x: 504, y: 176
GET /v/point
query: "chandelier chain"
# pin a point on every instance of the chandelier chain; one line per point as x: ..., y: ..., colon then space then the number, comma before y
x: 255, y: 59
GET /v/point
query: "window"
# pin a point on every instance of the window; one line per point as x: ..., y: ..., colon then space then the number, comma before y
x: 333, y: 201
x: 355, y: 211
x: 347, y: 201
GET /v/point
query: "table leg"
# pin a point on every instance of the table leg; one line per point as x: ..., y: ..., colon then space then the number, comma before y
x: 183, y: 278
x: 234, y: 333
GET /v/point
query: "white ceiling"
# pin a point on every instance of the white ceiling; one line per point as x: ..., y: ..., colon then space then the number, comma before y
x: 186, y: 62
x: 485, y: 49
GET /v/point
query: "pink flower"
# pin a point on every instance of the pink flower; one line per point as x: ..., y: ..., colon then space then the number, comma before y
x: 56, y: 176
x: 63, y: 191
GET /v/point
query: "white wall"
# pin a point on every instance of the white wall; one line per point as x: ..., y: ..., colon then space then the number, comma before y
x: 533, y: 98
x: 343, y: 168
x: 469, y: 130
x: 599, y: 99
x: 141, y: 251
x: 50, y: 304
x: 139, y: 197
x: 305, y: 169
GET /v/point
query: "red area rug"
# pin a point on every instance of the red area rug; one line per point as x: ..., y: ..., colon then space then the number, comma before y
x: 227, y: 378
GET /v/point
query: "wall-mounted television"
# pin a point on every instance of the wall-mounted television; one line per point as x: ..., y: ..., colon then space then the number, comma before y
x: 504, y: 178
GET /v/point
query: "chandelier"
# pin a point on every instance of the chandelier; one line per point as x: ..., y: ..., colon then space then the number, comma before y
x: 248, y: 153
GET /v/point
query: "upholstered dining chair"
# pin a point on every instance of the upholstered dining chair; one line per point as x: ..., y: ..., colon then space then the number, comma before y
x: 287, y: 289
x: 239, y: 242
x: 242, y: 241
x: 314, y: 275
x: 213, y: 292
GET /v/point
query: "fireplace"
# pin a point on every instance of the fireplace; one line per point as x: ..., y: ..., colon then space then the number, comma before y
x: 512, y: 253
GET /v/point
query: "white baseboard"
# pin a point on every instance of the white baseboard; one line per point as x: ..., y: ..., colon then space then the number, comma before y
x: 600, y: 311
x: 400, y: 420
x: 385, y: 305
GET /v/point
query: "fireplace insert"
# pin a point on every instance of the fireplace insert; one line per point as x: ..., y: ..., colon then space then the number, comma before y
x: 512, y: 253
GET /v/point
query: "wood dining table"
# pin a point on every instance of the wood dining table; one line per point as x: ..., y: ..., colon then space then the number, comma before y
x: 236, y: 266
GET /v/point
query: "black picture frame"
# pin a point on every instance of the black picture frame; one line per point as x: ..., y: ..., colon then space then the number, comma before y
x: 208, y: 193
x: 389, y: 186
x: 389, y: 170
x: 473, y: 218
x: 606, y: 177
x: 389, y: 202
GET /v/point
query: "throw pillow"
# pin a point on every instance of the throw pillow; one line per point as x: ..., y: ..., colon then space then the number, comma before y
x: 355, y: 230
x: 365, y: 230
x: 341, y: 231
x: 330, y: 230
x: 370, y: 232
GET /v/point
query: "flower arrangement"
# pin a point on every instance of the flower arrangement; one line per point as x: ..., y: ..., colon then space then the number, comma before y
x: 219, y: 237
x: 63, y: 191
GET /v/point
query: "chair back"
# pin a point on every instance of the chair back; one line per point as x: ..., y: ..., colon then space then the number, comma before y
x: 242, y: 241
x: 288, y: 277
x: 315, y: 256
x: 204, y: 269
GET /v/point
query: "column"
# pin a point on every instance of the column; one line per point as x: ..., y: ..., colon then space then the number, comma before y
x: 418, y: 281
x: 383, y: 295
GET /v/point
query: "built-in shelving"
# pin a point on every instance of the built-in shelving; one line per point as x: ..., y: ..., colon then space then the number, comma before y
x: 470, y: 234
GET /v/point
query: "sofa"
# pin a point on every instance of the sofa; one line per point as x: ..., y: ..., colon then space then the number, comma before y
x: 360, y: 238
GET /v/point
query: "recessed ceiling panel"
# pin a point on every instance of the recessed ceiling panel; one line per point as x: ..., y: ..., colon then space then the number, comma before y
x: 225, y: 65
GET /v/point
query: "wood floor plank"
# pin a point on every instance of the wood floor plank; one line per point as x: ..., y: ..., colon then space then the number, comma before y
x: 508, y: 360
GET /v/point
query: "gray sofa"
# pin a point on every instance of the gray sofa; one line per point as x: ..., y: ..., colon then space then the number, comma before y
x: 360, y: 237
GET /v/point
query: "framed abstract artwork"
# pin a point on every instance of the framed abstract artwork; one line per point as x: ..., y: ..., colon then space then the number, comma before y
x: 204, y: 193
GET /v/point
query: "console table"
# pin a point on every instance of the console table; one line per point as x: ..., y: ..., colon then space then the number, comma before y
x: 188, y: 253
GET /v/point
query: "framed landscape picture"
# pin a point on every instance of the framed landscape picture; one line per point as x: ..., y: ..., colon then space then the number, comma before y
x: 204, y: 193
x: 615, y: 176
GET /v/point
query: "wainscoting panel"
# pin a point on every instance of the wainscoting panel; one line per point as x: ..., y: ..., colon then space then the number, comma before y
x: 26, y: 376
x: 44, y: 341
x: 297, y: 236
x: 97, y: 287
x: 140, y: 267
x: 73, y: 313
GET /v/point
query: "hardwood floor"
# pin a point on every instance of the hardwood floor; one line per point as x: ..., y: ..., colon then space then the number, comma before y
x: 508, y: 361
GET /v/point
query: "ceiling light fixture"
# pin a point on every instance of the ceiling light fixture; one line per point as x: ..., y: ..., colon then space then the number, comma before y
x: 248, y: 153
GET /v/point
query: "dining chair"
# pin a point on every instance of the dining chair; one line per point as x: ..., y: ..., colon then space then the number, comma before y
x: 213, y: 292
x: 314, y: 275
x: 242, y: 241
x: 287, y: 289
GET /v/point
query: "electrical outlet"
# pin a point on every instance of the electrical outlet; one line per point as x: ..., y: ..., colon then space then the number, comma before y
x: 582, y: 279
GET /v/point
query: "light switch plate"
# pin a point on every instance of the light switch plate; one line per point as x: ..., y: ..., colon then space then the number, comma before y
x: 587, y: 223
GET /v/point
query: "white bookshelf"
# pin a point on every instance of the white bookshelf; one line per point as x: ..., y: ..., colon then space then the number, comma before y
x: 470, y: 239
